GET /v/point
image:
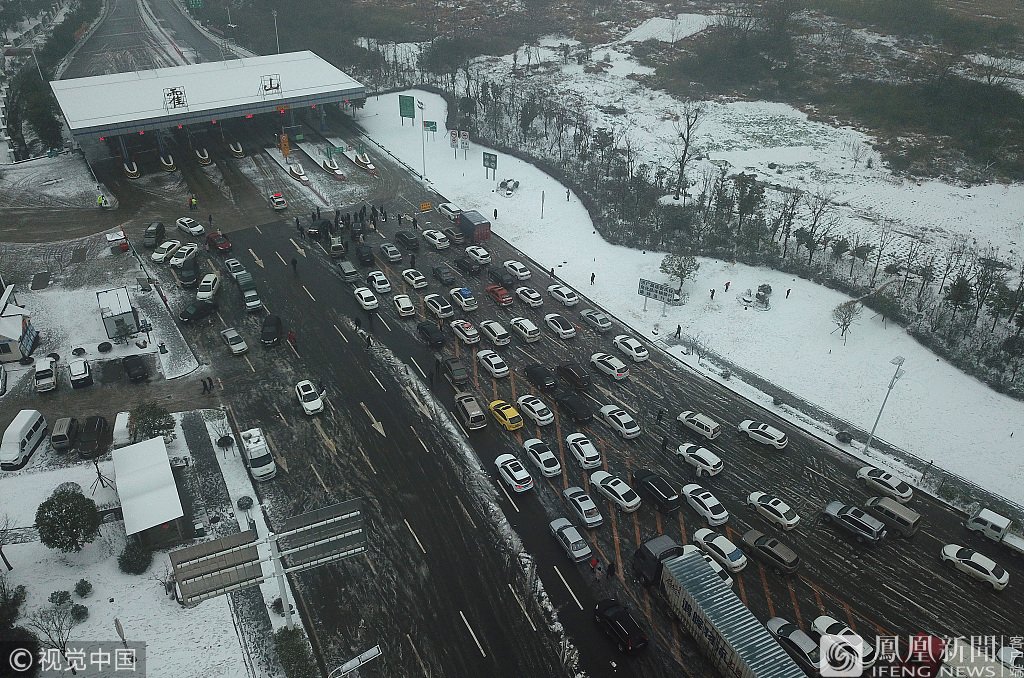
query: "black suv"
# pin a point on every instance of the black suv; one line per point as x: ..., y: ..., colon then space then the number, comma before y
x: 620, y: 626
x: 154, y: 235
x: 364, y: 253
x: 197, y: 310
x: 92, y: 441
x: 444, y: 274
x: 188, y: 274
x: 135, y: 367
x: 270, y: 334
x: 865, y: 528
x: 576, y: 407
x: 408, y: 240
x: 467, y: 266
x: 455, y: 370
x: 356, y: 228
x: 541, y: 377
x: 430, y: 334
x: 574, y: 374
x: 502, y: 277
x: 655, y: 489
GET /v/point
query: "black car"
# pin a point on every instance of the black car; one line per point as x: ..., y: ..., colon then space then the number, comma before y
x: 154, y: 235
x: 444, y: 274
x: 270, y: 333
x: 655, y: 489
x: 188, y: 274
x: 455, y: 371
x: 433, y: 336
x: 499, y: 276
x: 467, y: 266
x: 319, y: 229
x: 197, y: 310
x: 576, y: 407
x: 541, y: 377
x: 574, y: 374
x: 364, y: 253
x: 135, y: 368
x: 356, y: 228
x: 408, y: 240
x: 93, y: 439
x: 619, y: 624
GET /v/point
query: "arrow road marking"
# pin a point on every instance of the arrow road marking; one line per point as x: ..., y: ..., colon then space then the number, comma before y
x: 297, y: 248
x: 327, y: 441
x: 259, y: 262
x: 376, y: 424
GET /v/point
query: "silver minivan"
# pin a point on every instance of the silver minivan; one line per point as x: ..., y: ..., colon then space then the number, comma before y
x: 469, y: 411
x: 349, y: 273
x: 337, y: 247
x: 895, y: 515
x: 65, y: 431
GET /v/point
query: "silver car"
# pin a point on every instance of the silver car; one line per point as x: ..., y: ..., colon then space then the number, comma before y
x: 583, y: 506
x: 599, y: 321
x: 234, y: 341
x: 576, y: 547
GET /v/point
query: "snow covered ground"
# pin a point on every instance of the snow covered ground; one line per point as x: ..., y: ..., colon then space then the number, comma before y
x: 668, y: 30
x: 935, y: 412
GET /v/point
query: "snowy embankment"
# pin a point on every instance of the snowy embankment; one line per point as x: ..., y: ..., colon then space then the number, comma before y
x: 935, y: 412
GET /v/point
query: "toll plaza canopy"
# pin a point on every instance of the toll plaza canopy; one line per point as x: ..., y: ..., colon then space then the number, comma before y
x: 139, y: 101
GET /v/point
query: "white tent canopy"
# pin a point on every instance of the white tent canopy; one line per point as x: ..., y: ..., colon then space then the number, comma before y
x: 145, y: 485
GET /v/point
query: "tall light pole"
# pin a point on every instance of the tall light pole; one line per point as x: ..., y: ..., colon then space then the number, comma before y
x: 276, y: 36
x: 898, y: 362
x: 423, y: 132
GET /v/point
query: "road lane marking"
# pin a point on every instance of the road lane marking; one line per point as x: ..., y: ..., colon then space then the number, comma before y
x: 767, y: 593
x: 280, y: 257
x: 291, y: 345
x: 250, y: 363
x: 849, y: 617
x: 567, y: 587
x: 796, y: 605
x: 501, y: 484
x: 259, y: 262
x: 418, y: 367
x: 376, y: 424
x: 475, y: 639
x: 521, y: 606
x: 384, y: 321
x: 418, y: 542
x: 281, y: 414
x: 317, y: 474
x: 682, y: 528
x: 368, y: 462
x: 426, y: 674
x: 340, y: 333
x: 327, y: 441
x: 219, y: 317
x: 422, y: 444
x: 468, y: 517
x: 309, y: 293
x: 378, y: 382
x: 456, y: 420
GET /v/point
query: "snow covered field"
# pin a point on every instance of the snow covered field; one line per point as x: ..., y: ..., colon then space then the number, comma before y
x: 935, y: 411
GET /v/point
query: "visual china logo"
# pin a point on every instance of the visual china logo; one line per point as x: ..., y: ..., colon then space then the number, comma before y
x: 841, y: 658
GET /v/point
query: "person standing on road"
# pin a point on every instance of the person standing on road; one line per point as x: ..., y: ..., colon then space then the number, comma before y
x: 712, y: 295
x: 318, y: 211
x: 399, y: 219
x: 679, y: 330
x: 357, y: 322
x: 664, y: 443
x: 727, y: 285
x: 206, y: 386
x: 291, y: 337
x: 295, y: 263
x: 210, y: 218
x: 414, y: 224
x: 592, y: 276
x: 369, y: 341
x: 787, y: 293
x: 661, y: 413
x: 297, y: 227
x: 567, y: 195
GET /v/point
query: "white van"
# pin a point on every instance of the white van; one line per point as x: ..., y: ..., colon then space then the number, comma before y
x: 21, y: 439
x: 46, y: 375
x: 121, y: 436
x: 257, y: 455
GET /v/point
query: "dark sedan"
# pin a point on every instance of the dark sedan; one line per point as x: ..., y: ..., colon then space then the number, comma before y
x: 93, y: 439
x: 541, y: 377
x: 576, y: 407
x: 430, y: 334
x: 656, y: 489
x: 197, y: 310
x: 467, y: 266
x: 444, y: 274
x: 620, y: 626
x: 135, y: 367
x: 574, y: 374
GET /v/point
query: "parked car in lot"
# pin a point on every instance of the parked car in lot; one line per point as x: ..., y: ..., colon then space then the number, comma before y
x: 538, y: 452
x: 771, y: 551
x: 501, y: 278
x: 208, y: 287
x: 470, y: 413
x: 80, y: 373
x: 513, y: 473
x: 541, y: 377
x: 620, y: 626
x: 886, y: 483
x: 454, y: 235
x: 774, y: 510
x: 972, y: 563
x: 499, y: 294
x: 705, y: 504
x: 535, y: 409
x: 197, y: 310
x: 364, y: 253
x: 506, y: 415
x: 704, y: 461
x: 432, y: 336
x: 798, y: 644
x: 184, y: 252
x: 165, y: 251
x: 560, y: 326
x: 518, y: 269
x: 436, y: 238
x: 762, y: 433
x: 631, y: 347
x: 610, y: 365
x: 599, y: 321
x: 378, y: 281
x: 618, y: 420
x: 530, y: 297
x: 572, y: 542
x: 437, y: 305
x: 444, y: 274
x: 721, y: 549
x: 584, y: 450
x: 825, y: 625
x: 135, y: 367
x: 45, y: 375
x: 153, y: 235
x: 616, y: 491
x: 449, y: 210
x: 234, y: 267
x: 366, y: 299
x: 575, y: 407
x: 700, y: 424
x: 234, y: 341
x: 563, y: 294
x: 656, y: 489
x: 492, y: 362
x: 463, y: 298
x: 865, y: 529
x: 408, y: 240
x: 190, y: 226
x: 525, y: 328
x: 218, y: 242
x: 309, y: 397
x: 455, y: 371
x: 94, y: 438
x: 403, y: 305
x: 464, y: 330
x: 494, y: 332
x: 583, y: 506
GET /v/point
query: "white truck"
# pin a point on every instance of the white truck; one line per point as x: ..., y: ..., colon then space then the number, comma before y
x: 257, y: 455
x: 996, y: 528
x: 250, y: 296
x: 732, y: 638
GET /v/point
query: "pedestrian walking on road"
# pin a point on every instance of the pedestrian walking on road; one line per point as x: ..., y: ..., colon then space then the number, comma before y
x: 295, y: 263
x: 567, y: 195
x: 358, y: 323
x: 210, y: 218
x: 787, y: 293
x: 399, y: 219
x: 495, y: 212
x: 664, y: 443
x: 384, y: 214
x: 712, y: 295
x: 318, y: 211
x: 661, y: 413
x: 414, y: 225
x: 679, y: 330
x: 291, y: 337
x: 592, y: 276
x: 552, y: 272
x: 206, y: 387
x: 369, y: 341
x: 210, y: 379
x: 727, y: 286
x: 297, y: 227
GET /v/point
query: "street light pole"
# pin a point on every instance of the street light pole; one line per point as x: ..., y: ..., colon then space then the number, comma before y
x: 423, y: 143
x: 276, y: 36
x: 898, y: 362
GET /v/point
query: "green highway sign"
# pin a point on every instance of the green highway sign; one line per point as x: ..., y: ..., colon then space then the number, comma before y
x: 406, y: 106
x: 491, y: 161
x: 195, y: 4
x: 430, y: 125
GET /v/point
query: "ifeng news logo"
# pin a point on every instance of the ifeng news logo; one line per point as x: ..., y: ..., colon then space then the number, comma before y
x: 840, y: 658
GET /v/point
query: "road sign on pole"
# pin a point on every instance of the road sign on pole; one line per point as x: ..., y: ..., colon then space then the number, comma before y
x: 285, y: 147
x: 430, y: 125
x: 464, y: 136
x: 406, y: 107
x: 658, y: 291
x: 490, y: 162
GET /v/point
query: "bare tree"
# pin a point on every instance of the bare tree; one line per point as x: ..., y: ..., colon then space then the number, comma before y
x: 823, y: 219
x: 910, y: 260
x: 857, y: 150
x: 55, y: 624
x: 954, y: 259
x: 699, y: 346
x: 885, y: 238
x: 991, y: 274
x: 683, y: 146
x: 844, y: 315
x: 6, y: 537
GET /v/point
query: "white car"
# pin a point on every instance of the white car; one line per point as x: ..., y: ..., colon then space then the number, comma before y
x: 234, y: 341
x: 404, y: 305
x: 379, y: 282
x: 165, y: 251
x: 560, y: 326
x: 190, y: 226
x: 583, y: 506
x: 712, y: 563
x: 366, y: 298
x: 390, y: 252
x: 827, y: 626
x: 599, y: 321
x: 494, y: 332
x: 438, y: 306
x: 573, y: 543
x: 478, y: 254
x: 450, y: 210
x: 463, y: 298
x: 774, y: 510
x: 700, y: 423
x: 886, y: 483
x: 465, y: 331
x: 183, y: 253
x: 517, y: 269
x: 492, y: 362
x: 721, y: 549
x: 513, y: 473
x: 415, y: 279
x: 631, y: 347
x: 538, y: 452
x: 530, y: 297
x: 525, y: 328
x: 706, y: 504
x: 208, y: 286
x: 309, y: 397
x: 234, y: 267
x: 975, y: 564
x: 584, y: 451
x: 762, y: 433
x: 610, y: 365
x: 616, y: 490
x: 563, y: 294
x: 80, y: 373
x: 704, y: 461
x: 438, y: 239
x: 619, y: 421
x: 278, y: 202
x: 534, y: 408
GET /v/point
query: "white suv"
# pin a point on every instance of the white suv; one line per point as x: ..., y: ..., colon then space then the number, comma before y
x: 700, y: 423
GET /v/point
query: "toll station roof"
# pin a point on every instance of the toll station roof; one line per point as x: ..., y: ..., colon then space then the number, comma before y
x: 130, y: 103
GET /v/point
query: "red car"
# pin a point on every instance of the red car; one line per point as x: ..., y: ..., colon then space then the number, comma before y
x: 500, y: 295
x: 218, y: 241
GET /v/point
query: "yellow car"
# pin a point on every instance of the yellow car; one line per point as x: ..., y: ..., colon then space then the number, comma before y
x: 506, y: 415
